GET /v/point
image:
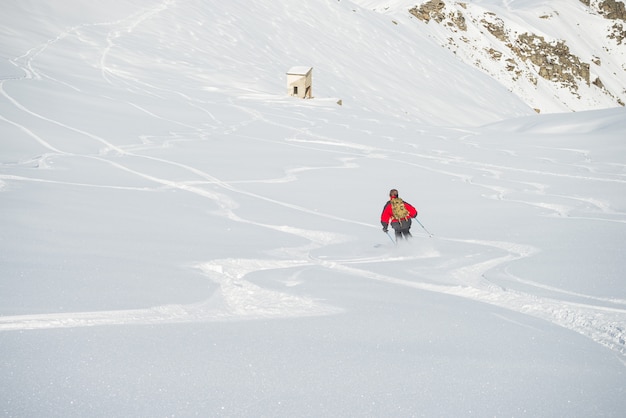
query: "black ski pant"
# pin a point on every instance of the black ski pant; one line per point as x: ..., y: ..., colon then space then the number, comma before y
x: 402, y: 228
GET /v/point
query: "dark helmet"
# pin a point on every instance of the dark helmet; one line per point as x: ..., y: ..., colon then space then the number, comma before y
x: 393, y: 193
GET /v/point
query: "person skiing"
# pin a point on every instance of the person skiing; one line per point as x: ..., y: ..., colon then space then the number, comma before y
x: 398, y: 213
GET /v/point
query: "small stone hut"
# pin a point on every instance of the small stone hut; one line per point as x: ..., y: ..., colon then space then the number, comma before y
x: 299, y: 82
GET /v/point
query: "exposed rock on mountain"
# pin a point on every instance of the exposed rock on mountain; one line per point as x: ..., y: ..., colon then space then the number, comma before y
x: 583, y: 67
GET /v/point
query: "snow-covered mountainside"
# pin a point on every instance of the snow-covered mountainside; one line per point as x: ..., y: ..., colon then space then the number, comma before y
x: 559, y: 55
x: 245, y: 48
x: 179, y: 237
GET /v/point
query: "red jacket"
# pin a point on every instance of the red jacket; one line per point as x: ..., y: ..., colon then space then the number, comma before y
x: 387, y: 214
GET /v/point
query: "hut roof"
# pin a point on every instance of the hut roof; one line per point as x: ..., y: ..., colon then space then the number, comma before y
x: 300, y: 70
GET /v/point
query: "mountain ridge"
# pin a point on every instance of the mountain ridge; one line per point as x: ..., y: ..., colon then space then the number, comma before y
x: 368, y: 54
x: 556, y: 56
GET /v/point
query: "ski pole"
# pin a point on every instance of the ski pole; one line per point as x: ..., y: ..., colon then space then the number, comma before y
x: 392, y: 240
x: 429, y: 234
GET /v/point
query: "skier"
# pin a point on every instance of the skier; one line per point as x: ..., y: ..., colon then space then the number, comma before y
x: 399, y: 214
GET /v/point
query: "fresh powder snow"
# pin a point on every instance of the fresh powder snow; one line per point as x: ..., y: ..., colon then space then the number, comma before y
x: 180, y: 237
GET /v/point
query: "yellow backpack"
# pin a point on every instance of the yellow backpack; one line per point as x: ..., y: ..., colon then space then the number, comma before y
x: 398, y: 209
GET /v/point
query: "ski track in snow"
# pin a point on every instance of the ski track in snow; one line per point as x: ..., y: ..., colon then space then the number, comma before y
x: 601, y: 319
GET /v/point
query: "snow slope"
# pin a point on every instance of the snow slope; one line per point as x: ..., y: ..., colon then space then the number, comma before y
x: 485, y: 34
x: 180, y: 238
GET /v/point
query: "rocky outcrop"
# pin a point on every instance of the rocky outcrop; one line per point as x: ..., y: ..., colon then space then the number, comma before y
x: 529, y: 55
x: 612, y: 9
x: 617, y: 33
x: 553, y: 60
x: 432, y: 9
x: 495, y: 26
